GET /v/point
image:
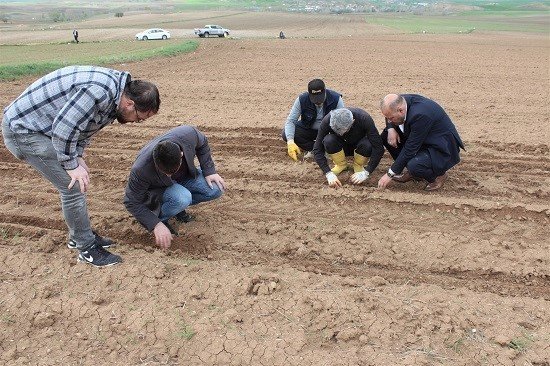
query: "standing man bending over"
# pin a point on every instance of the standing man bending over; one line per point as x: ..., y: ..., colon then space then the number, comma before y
x: 302, y: 124
x: 420, y: 136
x: 164, y: 181
x: 348, y: 132
x: 50, y: 124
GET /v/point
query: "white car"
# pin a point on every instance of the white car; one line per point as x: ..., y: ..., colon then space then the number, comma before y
x: 153, y: 33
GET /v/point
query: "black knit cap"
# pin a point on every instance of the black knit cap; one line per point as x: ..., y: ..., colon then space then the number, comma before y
x: 317, y: 91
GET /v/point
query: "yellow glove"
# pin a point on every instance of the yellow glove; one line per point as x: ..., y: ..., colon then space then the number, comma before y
x: 293, y: 150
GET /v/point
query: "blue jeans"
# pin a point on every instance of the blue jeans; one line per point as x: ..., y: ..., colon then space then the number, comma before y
x: 37, y: 150
x: 181, y: 195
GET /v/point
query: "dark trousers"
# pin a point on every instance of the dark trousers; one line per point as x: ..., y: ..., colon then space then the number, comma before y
x: 303, y: 137
x: 334, y: 143
x: 419, y: 166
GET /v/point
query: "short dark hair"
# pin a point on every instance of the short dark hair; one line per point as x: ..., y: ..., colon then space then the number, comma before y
x: 167, y: 156
x: 316, y: 84
x: 144, y: 94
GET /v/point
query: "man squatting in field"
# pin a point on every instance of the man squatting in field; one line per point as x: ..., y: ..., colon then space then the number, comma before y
x: 304, y: 119
x: 420, y: 136
x: 51, y: 123
x: 348, y: 132
x: 164, y: 181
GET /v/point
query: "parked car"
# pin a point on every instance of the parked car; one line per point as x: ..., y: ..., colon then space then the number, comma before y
x: 153, y: 33
x: 211, y: 30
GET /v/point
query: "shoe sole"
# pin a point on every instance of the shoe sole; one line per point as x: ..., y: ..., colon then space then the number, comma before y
x: 104, y: 247
x: 95, y: 265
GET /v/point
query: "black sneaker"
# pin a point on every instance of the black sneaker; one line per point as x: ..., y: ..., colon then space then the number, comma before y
x: 99, y: 240
x: 99, y: 257
x: 185, y: 217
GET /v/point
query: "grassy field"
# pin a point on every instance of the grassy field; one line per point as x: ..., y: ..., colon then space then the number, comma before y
x: 24, y: 59
x: 506, y: 5
x: 410, y: 23
x: 233, y: 4
x: 40, y: 58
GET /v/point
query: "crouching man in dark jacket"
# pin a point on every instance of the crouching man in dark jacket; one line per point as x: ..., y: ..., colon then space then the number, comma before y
x: 164, y: 181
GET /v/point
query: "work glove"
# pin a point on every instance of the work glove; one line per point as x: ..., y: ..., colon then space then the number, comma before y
x: 359, y: 177
x: 293, y: 150
x: 333, y: 181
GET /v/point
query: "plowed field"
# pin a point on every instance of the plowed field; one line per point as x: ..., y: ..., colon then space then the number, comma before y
x: 283, y: 270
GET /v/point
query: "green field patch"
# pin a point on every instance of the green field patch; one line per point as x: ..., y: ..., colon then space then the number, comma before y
x: 505, y: 5
x: 225, y: 4
x: 410, y: 23
x: 22, y: 60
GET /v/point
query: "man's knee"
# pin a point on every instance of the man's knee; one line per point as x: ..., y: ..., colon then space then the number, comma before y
x: 73, y: 198
x: 364, y: 149
x: 331, y: 144
x: 414, y: 169
x: 180, y: 198
x: 184, y: 199
x: 420, y: 166
x: 214, y: 193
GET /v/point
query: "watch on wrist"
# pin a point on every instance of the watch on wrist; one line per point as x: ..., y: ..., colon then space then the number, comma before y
x: 390, y: 174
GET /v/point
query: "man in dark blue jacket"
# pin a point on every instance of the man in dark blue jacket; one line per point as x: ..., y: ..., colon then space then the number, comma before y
x: 420, y: 136
x: 304, y: 119
x: 164, y: 181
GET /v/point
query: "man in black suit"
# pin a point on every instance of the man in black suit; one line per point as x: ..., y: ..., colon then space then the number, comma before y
x: 420, y: 136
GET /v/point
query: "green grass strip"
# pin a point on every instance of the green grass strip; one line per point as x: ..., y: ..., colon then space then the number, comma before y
x: 12, y: 71
x: 409, y: 23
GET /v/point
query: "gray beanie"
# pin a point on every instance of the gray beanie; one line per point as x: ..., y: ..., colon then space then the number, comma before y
x: 341, y: 120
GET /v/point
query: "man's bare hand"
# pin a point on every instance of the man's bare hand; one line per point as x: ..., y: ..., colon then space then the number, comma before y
x: 393, y: 137
x: 163, y: 236
x: 80, y: 175
x: 215, y: 179
x: 384, y: 181
x: 82, y: 163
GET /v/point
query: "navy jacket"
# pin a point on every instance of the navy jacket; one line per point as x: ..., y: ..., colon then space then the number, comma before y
x: 427, y: 126
x: 309, y: 110
x: 146, y: 183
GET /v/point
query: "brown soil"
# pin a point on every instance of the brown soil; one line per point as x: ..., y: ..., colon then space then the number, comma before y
x: 283, y: 270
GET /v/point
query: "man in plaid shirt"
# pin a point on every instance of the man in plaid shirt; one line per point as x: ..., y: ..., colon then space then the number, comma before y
x: 52, y: 121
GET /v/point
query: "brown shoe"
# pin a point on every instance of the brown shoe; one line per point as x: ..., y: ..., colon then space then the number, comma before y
x: 403, y: 178
x: 437, y: 183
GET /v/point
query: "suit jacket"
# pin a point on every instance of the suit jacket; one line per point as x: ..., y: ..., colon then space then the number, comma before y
x: 146, y: 183
x: 427, y: 126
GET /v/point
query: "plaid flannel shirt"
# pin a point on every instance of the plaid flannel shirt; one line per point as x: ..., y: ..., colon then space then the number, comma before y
x: 69, y: 105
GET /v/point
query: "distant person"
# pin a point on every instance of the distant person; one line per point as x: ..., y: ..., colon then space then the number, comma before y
x: 304, y: 119
x: 281, y: 35
x: 348, y: 132
x: 420, y: 136
x: 51, y: 123
x: 164, y: 181
x: 75, y: 35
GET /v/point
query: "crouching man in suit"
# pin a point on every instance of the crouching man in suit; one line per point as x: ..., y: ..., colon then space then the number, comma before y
x: 421, y: 137
x: 164, y: 181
